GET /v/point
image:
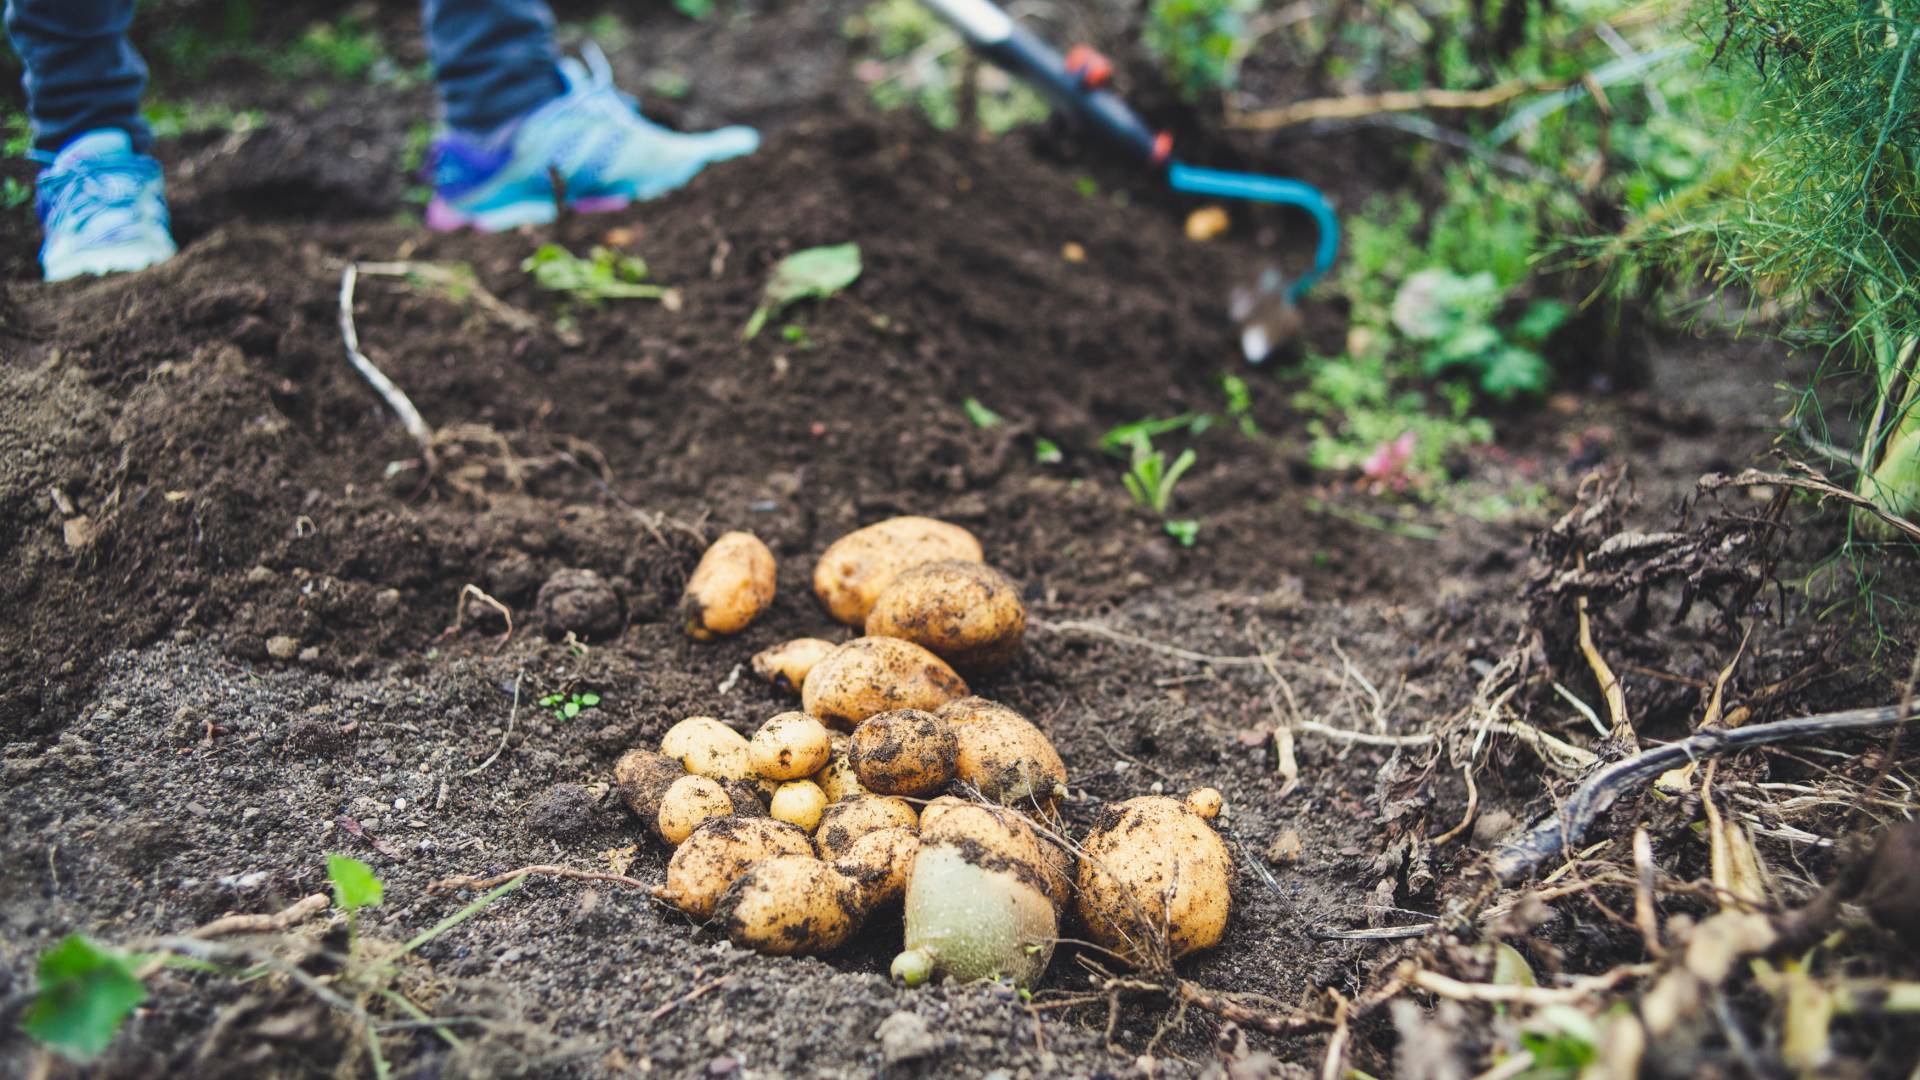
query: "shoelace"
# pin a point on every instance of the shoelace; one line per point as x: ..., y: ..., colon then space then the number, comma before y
x: 81, y: 195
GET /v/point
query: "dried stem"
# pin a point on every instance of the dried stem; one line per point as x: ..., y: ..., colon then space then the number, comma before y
x: 389, y: 392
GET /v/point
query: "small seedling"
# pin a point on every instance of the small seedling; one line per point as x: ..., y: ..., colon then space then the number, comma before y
x: 1122, y: 438
x: 82, y: 993
x: 1454, y: 317
x: 981, y: 416
x: 604, y: 274
x: 1239, y: 403
x: 1185, y: 531
x: 796, y: 335
x: 1047, y: 452
x: 568, y: 706
x: 1087, y: 187
x: 1149, y: 478
x: 816, y: 273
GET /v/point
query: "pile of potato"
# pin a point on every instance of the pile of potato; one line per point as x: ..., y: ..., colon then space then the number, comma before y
x: 893, y: 787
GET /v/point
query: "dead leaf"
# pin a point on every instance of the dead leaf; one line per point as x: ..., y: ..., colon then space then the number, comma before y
x: 620, y: 859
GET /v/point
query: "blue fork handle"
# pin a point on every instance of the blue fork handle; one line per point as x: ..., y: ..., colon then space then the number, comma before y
x: 1269, y: 189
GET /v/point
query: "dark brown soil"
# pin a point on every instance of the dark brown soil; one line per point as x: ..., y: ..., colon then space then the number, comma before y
x: 254, y: 650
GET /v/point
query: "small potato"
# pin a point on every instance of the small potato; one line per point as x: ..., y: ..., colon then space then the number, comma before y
x: 733, y: 584
x: 1004, y: 755
x: 858, y: 567
x: 851, y: 818
x: 643, y: 777
x: 786, y: 665
x: 799, y: 802
x: 905, y: 752
x: 708, y: 747
x: 1154, y: 875
x: 1205, y: 802
x: 966, y: 613
x: 791, y: 905
x: 873, y: 675
x: 715, y: 855
x: 837, y: 777
x: 881, y: 862
x: 790, y: 746
x: 688, y: 802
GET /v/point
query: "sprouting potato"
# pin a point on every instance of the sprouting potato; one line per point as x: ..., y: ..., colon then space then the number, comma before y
x: 972, y: 910
x: 1205, y: 802
x: 786, y: 665
x: 966, y: 613
x: 642, y: 777
x: 837, y: 777
x: 689, y: 801
x: 858, y: 567
x: 733, y: 584
x: 1154, y: 874
x: 1003, y: 755
x: 881, y: 863
x: 790, y: 746
x: 849, y: 819
x: 905, y: 752
x: 873, y: 675
x: 799, y: 802
x: 998, y: 829
x: 791, y: 905
x: 708, y: 747
x: 716, y: 853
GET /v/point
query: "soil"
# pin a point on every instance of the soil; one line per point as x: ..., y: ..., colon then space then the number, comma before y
x: 240, y: 633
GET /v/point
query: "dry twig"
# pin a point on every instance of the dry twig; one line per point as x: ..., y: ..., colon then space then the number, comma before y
x: 462, y: 881
x: 1356, y: 106
x: 388, y: 390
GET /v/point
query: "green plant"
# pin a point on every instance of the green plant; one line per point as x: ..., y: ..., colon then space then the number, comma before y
x: 815, y: 273
x: 568, y: 706
x: 1149, y: 478
x: 18, y: 132
x: 83, y: 991
x: 1047, y: 452
x: 15, y: 193
x: 1239, y: 403
x: 919, y: 62
x: 173, y: 119
x: 1198, y: 42
x: 981, y: 416
x: 1454, y: 319
x: 1185, y: 532
x: 1121, y: 439
x: 697, y: 10
x: 605, y: 274
x: 347, y: 50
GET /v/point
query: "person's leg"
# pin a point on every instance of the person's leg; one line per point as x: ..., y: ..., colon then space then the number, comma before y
x: 81, y: 72
x: 493, y: 60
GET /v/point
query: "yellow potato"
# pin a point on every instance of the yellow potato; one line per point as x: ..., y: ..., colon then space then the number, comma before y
x: 881, y: 862
x: 837, y: 777
x: 786, y: 665
x: 689, y: 801
x: 733, y: 584
x: 905, y: 752
x: 1205, y: 802
x: 790, y: 746
x: 708, y: 747
x: 715, y: 855
x: 642, y: 777
x: 973, y: 912
x: 1003, y: 755
x: 966, y: 613
x: 874, y: 675
x: 791, y: 905
x: 851, y: 818
x: 1155, y: 879
x: 799, y: 802
x: 858, y: 567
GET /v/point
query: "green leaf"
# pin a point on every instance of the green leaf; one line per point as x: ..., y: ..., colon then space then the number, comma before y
x: 981, y: 416
x: 1122, y: 437
x: 1047, y: 452
x: 1434, y: 304
x: 570, y: 710
x: 816, y: 273
x: 1540, y: 320
x: 1510, y: 968
x: 354, y: 885
x: 82, y: 993
x: 1185, y: 531
x: 550, y: 701
x: 1512, y: 371
x: 589, y: 700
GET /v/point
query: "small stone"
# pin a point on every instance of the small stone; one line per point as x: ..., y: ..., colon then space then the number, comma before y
x: 723, y: 1065
x: 718, y: 1034
x: 564, y: 810
x: 282, y: 647
x: 260, y: 575
x: 77, y: 531
x: 310, y: 654
x: 386, y: 602
x: 905, y: 1036
x: 1285, y: 848
x: 580, y: 601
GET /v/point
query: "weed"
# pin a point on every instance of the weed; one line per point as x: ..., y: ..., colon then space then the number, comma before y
x: 82, y: 993
x: 1149, y: 478
x: 18, y: 132
x: 174, y: 119
x: 982, y: 416
x: 1123, y: 437
x: 919, y: 62
x: 796, y: 335
x: 697, y: 10
x: 816, y: 273
x: 1239, y: 403
x: 1454, y: 319
x: 1047, y: 452
x: 1185, y: 531
x: 15, y: 193
x: 568, y: 706
x: 605, y: 274
x: 1197, y: 41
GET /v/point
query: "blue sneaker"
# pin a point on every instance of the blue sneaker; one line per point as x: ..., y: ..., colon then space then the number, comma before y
x: 605, y: 152
x: 102, y: 207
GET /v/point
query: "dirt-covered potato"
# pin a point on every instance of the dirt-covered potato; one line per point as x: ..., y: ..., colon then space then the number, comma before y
x: 708, y: 747
x: 1005, y: 832
x: 786, y: 665
x: 642, y: 778
x: 858, y: 567
x: 689, y: 801
x: 748, y: 801
x: 1206, y: 802
x: 881, y: 862
x: 714, y: 856
x: 973, y: 913
x: 905, y: 752
x: 853, y: 817
x: 873, y: 675
x: 1154, y: 874
x: 837, y: 777
x: 799, y: 802
x: 791, y: 905
x: 731, y: 586
x: 790, y: 746
x: 1005, y: 756
x: 966, y: 613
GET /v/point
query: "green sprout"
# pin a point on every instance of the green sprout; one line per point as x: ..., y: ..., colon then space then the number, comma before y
x: 568, y: 706
x: 1149, y: 478
x: 82, y: 993
x: 604, y: 274
x: 1239, y: 403
x: 1122, y: 438
x: 1185, y: 531
x: 1047, y: 452
x: 816, y: 273
x: 981, y: 416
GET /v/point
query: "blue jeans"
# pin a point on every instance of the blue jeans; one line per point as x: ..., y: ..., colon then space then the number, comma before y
x: 493, y: 60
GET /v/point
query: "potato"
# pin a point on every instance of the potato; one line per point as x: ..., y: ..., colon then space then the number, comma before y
x: 733, y: 584
x: 1005, y: 832
x: 799, y: 802
x: 689, y: 801
x: 642, y: 777
x: 708, y: 747
x: 881, y: 863
x: 1003, y: 755
x: 715, y: 855
x: 873, y: 675
x: 966, y: 613
x: 1154, y: 875
x: 858, y: 567
x: 973, y: 914
x: 905, y: 752
x: 791, y: 905
x: 837, y: 778
x: 1205, y: 802
x: 790, y: 746
x: 851, y: 818
x: 746, y: 797
x: 786, y: 665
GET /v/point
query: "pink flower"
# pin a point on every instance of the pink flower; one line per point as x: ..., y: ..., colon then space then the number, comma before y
x: 1387, y: 465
